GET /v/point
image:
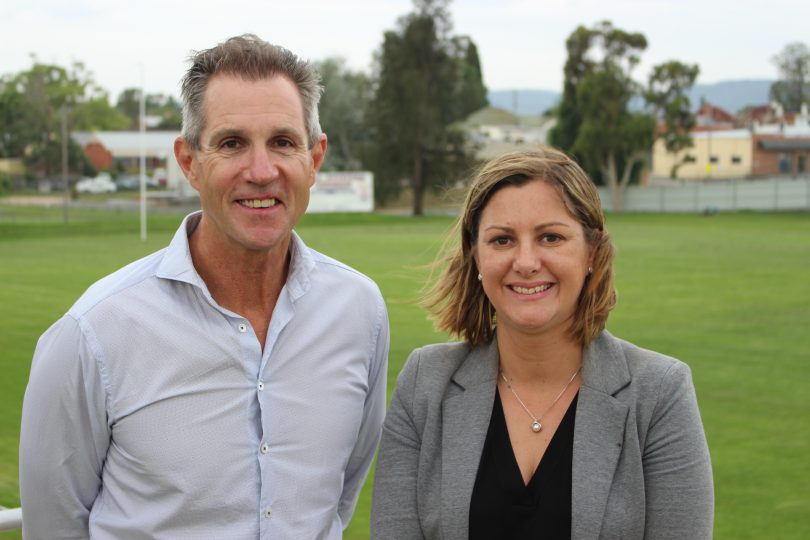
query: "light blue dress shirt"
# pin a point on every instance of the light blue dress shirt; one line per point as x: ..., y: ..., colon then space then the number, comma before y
x: 152, y: 412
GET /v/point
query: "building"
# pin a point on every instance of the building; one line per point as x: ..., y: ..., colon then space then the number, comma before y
x: 496, y: 131
x: 720, y: 151
x: 122, y: 149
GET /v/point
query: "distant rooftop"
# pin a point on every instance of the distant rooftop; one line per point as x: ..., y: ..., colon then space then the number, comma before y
x: 128, y: 143
x: 492, y: 116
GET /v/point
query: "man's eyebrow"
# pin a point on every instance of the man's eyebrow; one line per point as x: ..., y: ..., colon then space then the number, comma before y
x: 224, y: 133
x: 282, y: 131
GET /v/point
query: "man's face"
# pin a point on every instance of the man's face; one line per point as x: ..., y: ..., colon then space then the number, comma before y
x: 254, y: 169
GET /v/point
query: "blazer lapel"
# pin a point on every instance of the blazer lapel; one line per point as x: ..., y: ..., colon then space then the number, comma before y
x: 598, y: 434
x: 465, y: 419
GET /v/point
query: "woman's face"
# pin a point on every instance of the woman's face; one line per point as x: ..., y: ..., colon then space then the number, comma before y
x: 533, y: 257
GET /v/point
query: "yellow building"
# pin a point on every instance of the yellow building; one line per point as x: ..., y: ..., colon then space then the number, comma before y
x: 715, y: 154
x: 13, y: 166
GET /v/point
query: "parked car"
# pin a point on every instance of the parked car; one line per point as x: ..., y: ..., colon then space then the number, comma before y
x: 128, y: 182
x: 100, y: 184
x: 160, y: 177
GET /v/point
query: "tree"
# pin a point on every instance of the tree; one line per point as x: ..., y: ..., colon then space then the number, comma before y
x: 13, y: 115
x: 596, y: 123
x: 163, y: 106
x: 342, y: 113
x: 599, y: 119
x: 577, y: 65
x: 167, y: 108
x: 793, y: 87
x: 426, y: 82
x: 668, y: 97
x: 95, y: 113
x: 129, y: 104
x: 30, y: 114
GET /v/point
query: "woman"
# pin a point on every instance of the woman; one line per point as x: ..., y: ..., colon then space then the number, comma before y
x: 540, y: 423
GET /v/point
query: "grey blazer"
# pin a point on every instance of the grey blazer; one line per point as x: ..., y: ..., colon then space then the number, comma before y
x: 641, y: 465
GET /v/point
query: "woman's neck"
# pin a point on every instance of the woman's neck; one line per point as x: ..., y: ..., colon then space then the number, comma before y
x: 539, y: 358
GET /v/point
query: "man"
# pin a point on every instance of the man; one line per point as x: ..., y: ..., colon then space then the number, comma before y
x: 232, y: 385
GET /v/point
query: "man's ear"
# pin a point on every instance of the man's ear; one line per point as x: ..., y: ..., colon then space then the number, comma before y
x: 318, y: 153
x: 184, y: 155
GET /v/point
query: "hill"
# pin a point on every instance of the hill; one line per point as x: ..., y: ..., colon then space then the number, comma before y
x: 731, y: 95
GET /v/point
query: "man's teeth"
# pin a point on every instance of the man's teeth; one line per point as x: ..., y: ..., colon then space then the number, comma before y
x: 532, y: 290
x: 258, y: 203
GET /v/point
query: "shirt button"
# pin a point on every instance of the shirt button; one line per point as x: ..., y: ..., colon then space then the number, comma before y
x: 260, y: 385
x: 242, y: 327
x: 268, y: 513
x: 264, y: 448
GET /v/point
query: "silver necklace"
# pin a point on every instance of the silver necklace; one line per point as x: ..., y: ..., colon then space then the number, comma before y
x: 536, y: 425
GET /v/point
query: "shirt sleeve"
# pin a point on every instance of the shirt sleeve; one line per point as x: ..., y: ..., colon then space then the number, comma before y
x: 394, y: 510
x: 371, y: 425
x: 64, y: 435
x: 677, y: 467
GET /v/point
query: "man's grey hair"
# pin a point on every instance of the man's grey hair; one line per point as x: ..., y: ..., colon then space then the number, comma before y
x: 251, y: 59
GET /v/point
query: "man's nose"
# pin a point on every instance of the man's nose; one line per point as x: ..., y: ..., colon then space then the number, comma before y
x: 263, y: 165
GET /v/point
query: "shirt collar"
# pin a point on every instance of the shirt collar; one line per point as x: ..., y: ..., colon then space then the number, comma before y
x: 177, y: 264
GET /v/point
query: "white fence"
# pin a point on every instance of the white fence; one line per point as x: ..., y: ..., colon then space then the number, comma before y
x: 10, y: 519
x: 773, y: 194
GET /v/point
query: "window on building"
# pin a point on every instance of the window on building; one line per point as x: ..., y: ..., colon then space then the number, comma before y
x: 784, y: 163
x: 689, y: 158
x: 713, y: 159
x: 802, y: 165
x: 736, y: 159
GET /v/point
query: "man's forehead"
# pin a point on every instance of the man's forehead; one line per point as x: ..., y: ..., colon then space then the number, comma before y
x: 234, y: 81
x: 230, y: 95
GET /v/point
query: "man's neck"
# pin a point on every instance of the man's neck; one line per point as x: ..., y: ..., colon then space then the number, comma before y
x: 240, y: 280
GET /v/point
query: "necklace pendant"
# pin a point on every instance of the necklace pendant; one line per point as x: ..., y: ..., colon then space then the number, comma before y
x: 536, y: 427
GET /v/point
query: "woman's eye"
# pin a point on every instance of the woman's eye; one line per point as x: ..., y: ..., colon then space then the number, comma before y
x: 551, y: 238
x: 500, y: 241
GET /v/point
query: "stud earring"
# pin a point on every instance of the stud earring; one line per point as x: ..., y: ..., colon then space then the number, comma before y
x: 480, y: 277
x: 590, y: 270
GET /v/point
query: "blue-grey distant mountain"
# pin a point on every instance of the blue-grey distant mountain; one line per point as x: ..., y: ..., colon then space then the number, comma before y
x: 730, y: 95
x: 524, y: 102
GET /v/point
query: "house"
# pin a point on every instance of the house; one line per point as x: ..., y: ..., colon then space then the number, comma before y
x: 722, y: 151
x: 122, y: 149
x: 496, y: 131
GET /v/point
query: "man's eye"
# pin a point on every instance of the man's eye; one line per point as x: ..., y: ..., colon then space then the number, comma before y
x: 230, y: 144
x: 284, y: 143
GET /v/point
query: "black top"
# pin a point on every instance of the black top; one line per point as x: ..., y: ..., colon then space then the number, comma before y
x: 502, y: 507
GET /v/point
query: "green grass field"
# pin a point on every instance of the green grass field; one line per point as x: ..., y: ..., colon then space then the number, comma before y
x: 729, y: 294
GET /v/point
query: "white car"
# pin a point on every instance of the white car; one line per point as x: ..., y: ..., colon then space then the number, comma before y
x: 100, y: 184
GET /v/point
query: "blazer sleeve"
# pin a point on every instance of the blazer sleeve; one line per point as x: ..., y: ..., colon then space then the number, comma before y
x: 394, y: 512
x: 677, y: 468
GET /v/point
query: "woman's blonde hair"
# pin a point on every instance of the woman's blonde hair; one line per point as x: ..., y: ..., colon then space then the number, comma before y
x: 457, y: 300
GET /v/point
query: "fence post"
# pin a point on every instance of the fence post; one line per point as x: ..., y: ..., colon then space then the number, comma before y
x: 734, y: 195
x: 776, y: 194
x: 10, y: 519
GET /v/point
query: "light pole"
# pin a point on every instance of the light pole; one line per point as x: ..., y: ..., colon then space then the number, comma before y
x: 142, y: 161
x: 66, y: 203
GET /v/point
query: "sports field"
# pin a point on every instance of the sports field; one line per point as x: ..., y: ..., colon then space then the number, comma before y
x: 729, y: 294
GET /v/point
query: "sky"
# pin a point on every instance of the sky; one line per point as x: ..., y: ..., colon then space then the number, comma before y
x: 521, y: 43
